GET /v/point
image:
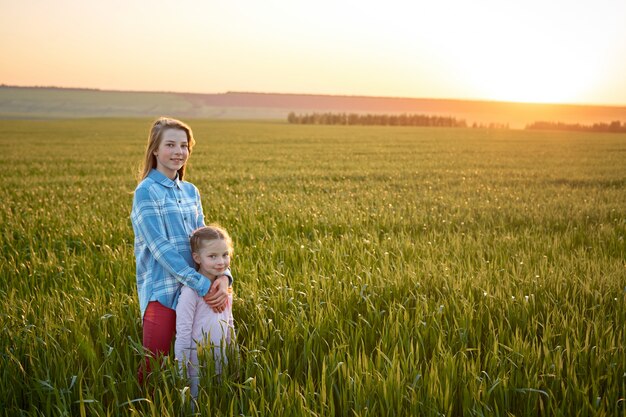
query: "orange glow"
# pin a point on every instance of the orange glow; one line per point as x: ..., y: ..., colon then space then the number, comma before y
x: 532, y: 51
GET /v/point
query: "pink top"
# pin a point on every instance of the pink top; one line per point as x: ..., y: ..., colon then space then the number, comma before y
x: 197, y: 323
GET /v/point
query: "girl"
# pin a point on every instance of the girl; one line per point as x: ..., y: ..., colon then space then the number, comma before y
x: 196, y: 324
x: 165, y: 211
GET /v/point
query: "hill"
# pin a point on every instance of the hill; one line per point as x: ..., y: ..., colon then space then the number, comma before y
x: 51, y: 102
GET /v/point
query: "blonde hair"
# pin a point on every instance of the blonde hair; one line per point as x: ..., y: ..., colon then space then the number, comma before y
x: 207, y: 234
x: 154, y: 141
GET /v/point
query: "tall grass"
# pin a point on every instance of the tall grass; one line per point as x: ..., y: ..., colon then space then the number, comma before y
x: 379, y: 271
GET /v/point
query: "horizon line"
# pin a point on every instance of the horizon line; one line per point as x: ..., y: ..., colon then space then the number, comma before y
x: 55, y: 87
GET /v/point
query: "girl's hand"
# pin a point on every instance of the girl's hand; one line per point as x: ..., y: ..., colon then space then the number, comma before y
x: 217, y: 297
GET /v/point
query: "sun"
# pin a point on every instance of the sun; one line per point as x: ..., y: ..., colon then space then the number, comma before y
x: 531, y: 79
x: 527, y: 59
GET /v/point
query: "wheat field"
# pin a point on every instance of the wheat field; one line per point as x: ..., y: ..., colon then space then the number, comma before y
x: 378, y: 271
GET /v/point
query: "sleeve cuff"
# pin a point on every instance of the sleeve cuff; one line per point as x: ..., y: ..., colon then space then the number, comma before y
x: 205, y: 284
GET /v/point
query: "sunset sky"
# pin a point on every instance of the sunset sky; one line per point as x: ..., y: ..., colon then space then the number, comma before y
x: 536, y: 51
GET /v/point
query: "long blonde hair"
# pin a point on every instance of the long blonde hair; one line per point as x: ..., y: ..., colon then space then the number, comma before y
x: 154, y: 140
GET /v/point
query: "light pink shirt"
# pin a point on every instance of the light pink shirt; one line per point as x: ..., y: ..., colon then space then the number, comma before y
x: 197, y: 323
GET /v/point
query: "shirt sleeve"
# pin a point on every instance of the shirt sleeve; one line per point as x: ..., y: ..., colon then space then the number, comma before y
x: 200, y: 218
x: 185, y: 311
x: 147, y: 219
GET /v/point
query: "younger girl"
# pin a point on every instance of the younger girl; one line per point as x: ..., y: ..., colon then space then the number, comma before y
x: 196, y: 324
x: 165, y: 211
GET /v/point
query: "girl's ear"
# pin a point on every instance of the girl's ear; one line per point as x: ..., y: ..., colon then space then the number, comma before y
x: 196, y: 257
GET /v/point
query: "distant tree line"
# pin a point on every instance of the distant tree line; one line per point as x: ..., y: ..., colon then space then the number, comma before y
x: 613, y: 127
x: 374, y: 119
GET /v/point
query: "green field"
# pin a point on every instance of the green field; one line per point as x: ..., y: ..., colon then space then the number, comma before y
x: 379, y: 271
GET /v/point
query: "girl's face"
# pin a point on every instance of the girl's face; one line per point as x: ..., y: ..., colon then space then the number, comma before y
x: 213, y: 258
x: 172, y: 153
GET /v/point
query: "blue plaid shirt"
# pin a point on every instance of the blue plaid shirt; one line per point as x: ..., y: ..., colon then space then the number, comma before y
x: 165, y: 213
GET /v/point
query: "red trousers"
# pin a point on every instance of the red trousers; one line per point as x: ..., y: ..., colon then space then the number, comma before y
x: 159, y: 329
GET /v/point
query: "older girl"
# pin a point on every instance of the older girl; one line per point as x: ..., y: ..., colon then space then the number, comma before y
x: 166, y: 210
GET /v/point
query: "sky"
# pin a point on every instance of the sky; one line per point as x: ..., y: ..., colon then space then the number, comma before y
x: 558, y: 51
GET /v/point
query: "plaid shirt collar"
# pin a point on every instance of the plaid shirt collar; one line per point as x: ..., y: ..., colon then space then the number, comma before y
x: 159, y: 177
